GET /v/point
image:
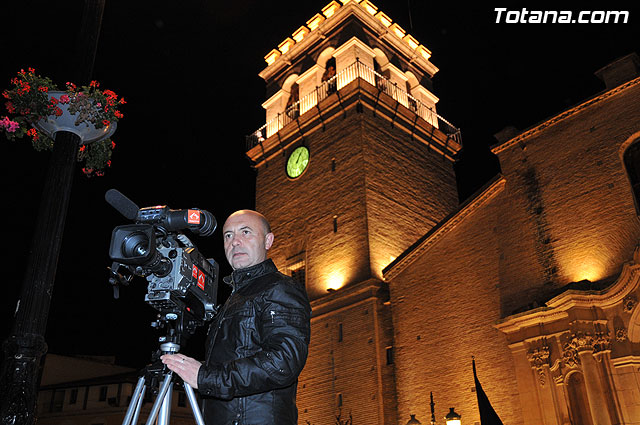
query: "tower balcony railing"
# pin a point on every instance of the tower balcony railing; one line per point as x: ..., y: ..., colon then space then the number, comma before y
x: 341, y: 79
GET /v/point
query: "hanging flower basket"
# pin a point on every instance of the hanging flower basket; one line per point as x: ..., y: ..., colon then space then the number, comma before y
x: 39, y: 110
x: 66, y: 121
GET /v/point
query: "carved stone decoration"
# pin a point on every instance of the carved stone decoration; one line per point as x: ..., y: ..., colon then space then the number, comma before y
x: 570, y: 356
x: 601, y: 342
x: 539, y: 357
x: 621, y: 334
x: 629, y: 303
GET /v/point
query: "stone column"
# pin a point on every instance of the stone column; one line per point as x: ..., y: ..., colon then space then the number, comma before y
x: 584, y: 343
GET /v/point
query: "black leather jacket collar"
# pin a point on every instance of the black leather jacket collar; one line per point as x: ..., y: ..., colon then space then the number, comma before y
x: 241, y: 277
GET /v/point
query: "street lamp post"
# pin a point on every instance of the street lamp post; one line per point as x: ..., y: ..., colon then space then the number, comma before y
x: 25, y: 348
x: 452, y: 417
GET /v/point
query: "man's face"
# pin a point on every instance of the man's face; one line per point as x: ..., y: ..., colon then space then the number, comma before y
x: 245, y: 240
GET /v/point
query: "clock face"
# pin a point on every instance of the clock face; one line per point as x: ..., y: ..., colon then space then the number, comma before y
x: 297, y: 162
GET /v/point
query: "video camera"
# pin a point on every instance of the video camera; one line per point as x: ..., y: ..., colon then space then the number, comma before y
x: 183, y: 284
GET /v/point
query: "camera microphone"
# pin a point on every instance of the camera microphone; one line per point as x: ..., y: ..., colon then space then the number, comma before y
x: 122, y: 204
x: 198, y: 221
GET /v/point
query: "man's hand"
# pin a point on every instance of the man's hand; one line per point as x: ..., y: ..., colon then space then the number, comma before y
x: 186, y: 367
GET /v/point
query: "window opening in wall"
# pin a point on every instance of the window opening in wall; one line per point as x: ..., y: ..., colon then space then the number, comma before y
x: 335, y: 224
x: 340, y: 335
x: 632, y: 164
x: 329, y: 75
x: 58, y: 400
x: 389, y: 355
x: 293, y: 107
x: 103, y: 394
x: 339, y: 400
x: 413, y: 105
x: 297, y: 267
x: 73, y: 397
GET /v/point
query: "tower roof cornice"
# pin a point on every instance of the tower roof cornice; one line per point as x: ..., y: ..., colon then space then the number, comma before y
x: 323, y: 24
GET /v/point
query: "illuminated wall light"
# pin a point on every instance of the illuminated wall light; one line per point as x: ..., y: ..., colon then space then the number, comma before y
x: 395, y: 28
x: 412, y: 42
x: 286, y: 45
x: 347, y: 1
x: 369, y: 7
x: 272, y: 56
x: 300, y: 34
x: 386, y: 21
x: 424, y: 52
x: 335, y: 281
x: 590, y: 271
x: 315, y: 21
x: 330, y: 9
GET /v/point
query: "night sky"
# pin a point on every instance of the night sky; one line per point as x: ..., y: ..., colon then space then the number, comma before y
x: 189, y: 72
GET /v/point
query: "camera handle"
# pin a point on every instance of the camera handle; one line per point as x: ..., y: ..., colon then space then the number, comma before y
x: 162, y: 406
x: 116, y: 278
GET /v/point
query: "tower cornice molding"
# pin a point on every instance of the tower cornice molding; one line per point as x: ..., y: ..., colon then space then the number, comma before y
x: 326, y: 28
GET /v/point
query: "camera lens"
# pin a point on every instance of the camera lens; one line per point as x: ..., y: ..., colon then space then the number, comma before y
x: 135, y: 244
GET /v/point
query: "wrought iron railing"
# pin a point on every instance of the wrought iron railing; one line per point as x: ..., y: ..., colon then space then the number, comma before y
x: 344, y: 77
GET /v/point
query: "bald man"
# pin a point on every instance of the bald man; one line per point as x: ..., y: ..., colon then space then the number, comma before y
x: 258, y: 343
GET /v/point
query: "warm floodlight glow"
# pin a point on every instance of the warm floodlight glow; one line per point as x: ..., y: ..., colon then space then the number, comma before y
x: 347, y: 1
x: 272, y: 56
x: 335, y: 281
x: 386, y: 21
x: 285, y: 45
x: 395, y: 28
x: 588, y: 271
x: 330, y: 9
x: 412, y: 42
x: 315, y: 21
x: 300, y: 34
x: 369, y: 7
x: 424, y: 52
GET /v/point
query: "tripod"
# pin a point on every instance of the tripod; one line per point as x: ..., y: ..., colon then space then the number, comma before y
x: 162, y: 406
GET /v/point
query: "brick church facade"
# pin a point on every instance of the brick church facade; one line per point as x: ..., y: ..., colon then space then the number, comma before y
x: 536, y: 276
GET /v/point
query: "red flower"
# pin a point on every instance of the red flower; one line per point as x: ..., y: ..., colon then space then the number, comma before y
x: 113, y: 146
x: 82, y: 148
x: 106, y: 122
x: 43, y: 89
x: 94, y: 83
x: 118, y: 114
x: 33, y: 133
x: 10, y: 107
x: 58, y: 111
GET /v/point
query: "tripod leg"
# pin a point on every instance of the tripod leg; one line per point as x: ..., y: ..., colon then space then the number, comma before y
x: 165, y: 409
x: 161, y: 395
x: 133, y: 404
x: 197, y: 415
x: 139, y: 407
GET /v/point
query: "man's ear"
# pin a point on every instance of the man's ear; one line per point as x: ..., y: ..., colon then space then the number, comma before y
x: 268, y: 240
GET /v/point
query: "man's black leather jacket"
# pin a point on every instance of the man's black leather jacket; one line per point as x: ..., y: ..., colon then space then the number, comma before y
x: 256, y: 348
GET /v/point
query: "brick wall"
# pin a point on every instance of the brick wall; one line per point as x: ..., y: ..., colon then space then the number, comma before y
x: 382, y: 188
x: 566, y: 213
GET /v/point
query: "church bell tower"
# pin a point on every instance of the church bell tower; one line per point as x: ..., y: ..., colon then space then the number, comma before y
x: 353, y: 165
